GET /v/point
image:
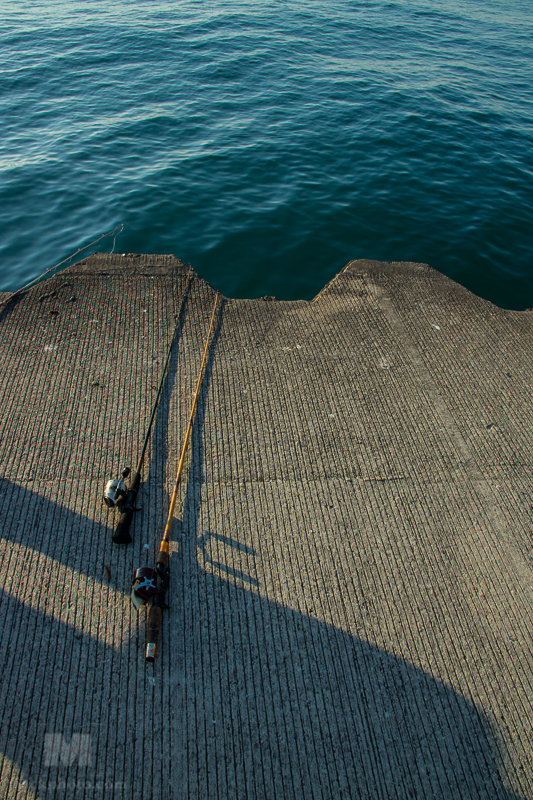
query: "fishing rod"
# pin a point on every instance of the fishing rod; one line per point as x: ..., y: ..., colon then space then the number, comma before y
x: 116, y: 494
x: 152, y: 584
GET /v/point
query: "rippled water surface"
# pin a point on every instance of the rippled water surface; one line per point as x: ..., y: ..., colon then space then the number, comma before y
x: 268, y: 143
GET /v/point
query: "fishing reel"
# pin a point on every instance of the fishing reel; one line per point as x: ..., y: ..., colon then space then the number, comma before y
x: 149, y: 586
x: 144, y: 586
x: 115, y: 491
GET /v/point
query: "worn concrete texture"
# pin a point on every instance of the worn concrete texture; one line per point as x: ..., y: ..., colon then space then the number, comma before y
x: 351, y: 570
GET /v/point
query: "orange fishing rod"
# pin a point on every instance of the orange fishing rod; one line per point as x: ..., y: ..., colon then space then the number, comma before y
x: 150, y: 584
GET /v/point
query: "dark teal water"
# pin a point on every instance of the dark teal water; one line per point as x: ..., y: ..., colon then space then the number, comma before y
x: 268, y: 143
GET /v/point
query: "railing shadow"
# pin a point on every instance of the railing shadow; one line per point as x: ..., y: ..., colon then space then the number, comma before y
x: 250, y: 699
x: 294, y: 707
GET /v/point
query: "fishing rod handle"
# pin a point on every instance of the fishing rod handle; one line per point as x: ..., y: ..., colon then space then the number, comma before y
x: 162, y: 557
x: 122, y: 532
x: 152, y: 632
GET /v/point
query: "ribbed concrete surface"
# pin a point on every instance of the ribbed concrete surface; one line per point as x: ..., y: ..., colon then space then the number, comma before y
x: 351, y: 571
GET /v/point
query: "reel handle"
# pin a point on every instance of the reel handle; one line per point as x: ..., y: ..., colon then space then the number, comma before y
x: 120, y: 494
x: 122, y: 531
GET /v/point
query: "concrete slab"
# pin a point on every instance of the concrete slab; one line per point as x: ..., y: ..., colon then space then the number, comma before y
x: 350, y: 600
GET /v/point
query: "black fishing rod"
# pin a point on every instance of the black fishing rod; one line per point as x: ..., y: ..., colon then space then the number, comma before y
x: 116, y: 494
x: 151, y: 585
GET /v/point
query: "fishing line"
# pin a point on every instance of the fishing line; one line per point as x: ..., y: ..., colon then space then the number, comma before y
x: 115, y: 231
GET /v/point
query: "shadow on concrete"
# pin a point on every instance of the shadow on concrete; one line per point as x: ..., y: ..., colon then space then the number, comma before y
x: 8, y: 305
x: 61, y: 659
x: 251, y: 699
x: 271, y: 703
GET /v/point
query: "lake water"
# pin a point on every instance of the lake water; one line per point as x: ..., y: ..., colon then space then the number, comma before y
x: 268, y: 143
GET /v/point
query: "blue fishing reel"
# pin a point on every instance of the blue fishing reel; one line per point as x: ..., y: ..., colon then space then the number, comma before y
x: 144, y: 586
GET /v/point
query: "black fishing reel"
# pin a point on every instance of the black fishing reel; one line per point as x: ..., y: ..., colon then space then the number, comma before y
x: 149, y: 586
x: 144, y: 585
x: 115, y: 491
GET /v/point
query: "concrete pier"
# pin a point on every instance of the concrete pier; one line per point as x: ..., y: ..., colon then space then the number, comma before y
x: 352, y: 561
